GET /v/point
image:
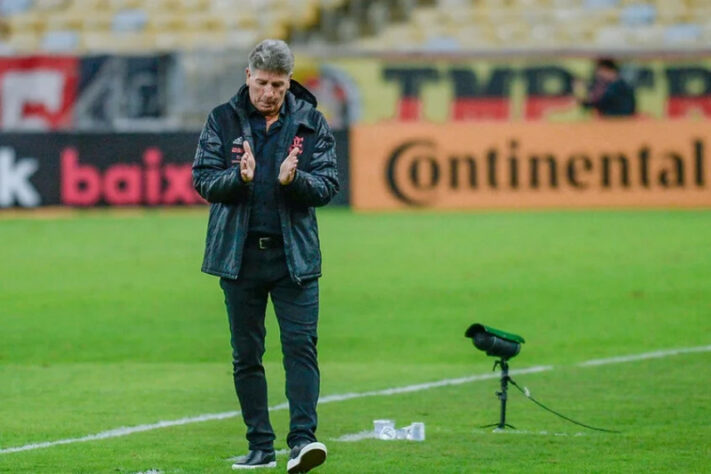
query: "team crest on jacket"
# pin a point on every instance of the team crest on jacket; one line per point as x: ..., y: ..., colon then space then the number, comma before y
x: 237, y: 150
x: 297, y: 143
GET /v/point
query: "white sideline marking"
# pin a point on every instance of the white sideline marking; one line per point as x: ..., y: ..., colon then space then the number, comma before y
x: 426, y: 386
x: 646, y: 355
x: 123, y: 431
x: 127, y: 430
x: 361, y: 435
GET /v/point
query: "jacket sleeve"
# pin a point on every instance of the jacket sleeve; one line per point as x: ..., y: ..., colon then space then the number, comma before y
x: 212, y: 178
x: 618, y: 99
x: 607, y: 101
x: 317, y: 186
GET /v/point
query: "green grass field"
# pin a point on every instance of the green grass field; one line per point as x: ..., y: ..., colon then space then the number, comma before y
x: 106, y: 322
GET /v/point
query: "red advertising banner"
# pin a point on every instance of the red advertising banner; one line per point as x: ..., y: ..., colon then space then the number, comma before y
x: 37, y: 92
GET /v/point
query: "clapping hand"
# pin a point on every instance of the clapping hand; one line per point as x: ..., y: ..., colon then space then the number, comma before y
x: 287, y: 170
x: 247, y: 164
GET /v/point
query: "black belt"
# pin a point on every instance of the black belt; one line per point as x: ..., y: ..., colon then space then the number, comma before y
x: 265, y: 242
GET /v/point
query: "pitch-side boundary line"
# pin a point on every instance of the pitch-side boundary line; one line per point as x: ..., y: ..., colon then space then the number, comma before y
x: 128, y: 430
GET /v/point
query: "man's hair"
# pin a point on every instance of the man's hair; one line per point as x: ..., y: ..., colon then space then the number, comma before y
x: 608, y: 63
x: 273, y: 56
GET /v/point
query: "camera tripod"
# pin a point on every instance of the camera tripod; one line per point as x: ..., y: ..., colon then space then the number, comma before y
x: 502, y: 395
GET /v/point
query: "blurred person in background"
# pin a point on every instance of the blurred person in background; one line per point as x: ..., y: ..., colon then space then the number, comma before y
x: 264, y: 160
x: 609, y: 94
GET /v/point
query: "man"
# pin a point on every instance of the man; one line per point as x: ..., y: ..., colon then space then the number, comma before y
x: 609, y: 94
x: 264, y: 160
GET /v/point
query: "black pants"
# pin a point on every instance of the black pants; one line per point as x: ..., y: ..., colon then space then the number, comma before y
x: 263, y: 273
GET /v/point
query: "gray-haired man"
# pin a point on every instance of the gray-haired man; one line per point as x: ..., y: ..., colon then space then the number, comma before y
x: 264, y: 160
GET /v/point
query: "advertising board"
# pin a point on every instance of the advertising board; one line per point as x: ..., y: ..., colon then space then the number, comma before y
x: 632, y: 163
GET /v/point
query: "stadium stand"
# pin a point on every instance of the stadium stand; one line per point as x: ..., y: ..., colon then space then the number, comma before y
x: 82, y: 26
x: 88, y: 26
x: 540, y: 24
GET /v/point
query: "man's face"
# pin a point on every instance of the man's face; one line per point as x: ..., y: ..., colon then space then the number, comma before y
x: 267, y: 90
x: 606, y: 74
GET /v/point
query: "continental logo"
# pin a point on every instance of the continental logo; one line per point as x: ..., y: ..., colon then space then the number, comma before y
x: 418, y: 166
x: 520, y: 165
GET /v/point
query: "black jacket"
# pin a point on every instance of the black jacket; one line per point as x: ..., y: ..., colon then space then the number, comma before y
x: 216, y: 176
x: 615, y: 98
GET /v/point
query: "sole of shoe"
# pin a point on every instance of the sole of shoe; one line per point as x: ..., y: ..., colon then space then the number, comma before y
x: 312, y: 455
x: 239, y: 467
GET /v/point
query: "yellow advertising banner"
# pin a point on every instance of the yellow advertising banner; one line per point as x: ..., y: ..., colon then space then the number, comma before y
x: 632, y: 163
x: 445, y: 89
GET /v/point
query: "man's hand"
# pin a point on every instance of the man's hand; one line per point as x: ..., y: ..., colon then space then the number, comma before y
x: 287, y: 171
x: 247, y: 163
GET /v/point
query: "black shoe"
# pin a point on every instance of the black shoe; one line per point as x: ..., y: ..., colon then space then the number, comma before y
x: 256, y: 459
x: 305, y: 457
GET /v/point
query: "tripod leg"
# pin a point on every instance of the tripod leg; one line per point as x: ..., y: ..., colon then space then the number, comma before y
x: 502, y: 418
x: 503, y: 395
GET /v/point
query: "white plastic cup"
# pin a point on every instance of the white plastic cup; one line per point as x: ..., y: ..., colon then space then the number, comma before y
x: 384, y: 429
x: 402, y: 433
x: 416, y: 431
